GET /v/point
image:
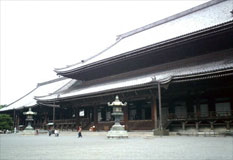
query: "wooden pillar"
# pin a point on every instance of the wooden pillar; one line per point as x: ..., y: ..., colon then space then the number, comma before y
x: 95, y: 116
x: 198, y: 110
x: 228, y: 125
x: 197, y: 126
x: 46, y: 118
x: 189, y: 105
x: 14, y: 119
x: 53, y: 116
x: 211, y: 106
x: 126, y: 117
x: 212, y: 125
x: 17, y: 121
x: 76, y: 117
x: 160, y: 107
x: 183, y: 126
x: 231, y: 105
x: 154, y: 112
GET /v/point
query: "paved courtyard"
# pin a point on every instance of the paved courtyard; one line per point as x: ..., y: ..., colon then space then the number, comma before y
x: 96, y: 146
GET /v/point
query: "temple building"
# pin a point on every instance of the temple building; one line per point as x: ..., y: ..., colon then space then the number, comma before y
x: 16, y: 108
x: 175, y: 74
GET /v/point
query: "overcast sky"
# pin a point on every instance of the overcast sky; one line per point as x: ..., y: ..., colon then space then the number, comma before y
x: 38, y: 36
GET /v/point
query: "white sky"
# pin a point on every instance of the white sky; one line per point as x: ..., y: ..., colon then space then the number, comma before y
x: 38, y: 36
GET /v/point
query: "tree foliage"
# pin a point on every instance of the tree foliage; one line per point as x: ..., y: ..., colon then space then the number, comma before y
x: 6, y: 122
x: 2, y: 106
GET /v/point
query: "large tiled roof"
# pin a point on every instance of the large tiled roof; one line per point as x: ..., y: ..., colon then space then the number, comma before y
x: 203, y: 16
x: 210, y: 64
x: 44, y: 88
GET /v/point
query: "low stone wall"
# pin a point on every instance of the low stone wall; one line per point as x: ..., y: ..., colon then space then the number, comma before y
x: 105, y: 126
x: 140, y: 125
x: 131, y: 125
x: 205, y: 134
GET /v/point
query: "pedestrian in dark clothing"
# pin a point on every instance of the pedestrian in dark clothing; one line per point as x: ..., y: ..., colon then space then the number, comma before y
x: 50, y: 132
x: 80, y: 132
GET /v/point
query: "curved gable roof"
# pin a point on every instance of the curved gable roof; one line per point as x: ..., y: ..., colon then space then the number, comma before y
x: 45, y: 88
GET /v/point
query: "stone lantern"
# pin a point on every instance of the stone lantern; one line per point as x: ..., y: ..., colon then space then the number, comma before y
x: 29, y: 129
x: 117, y: 130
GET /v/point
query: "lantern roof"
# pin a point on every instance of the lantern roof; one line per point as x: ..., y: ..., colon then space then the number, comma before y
x: 117, y: 102
x: 29, y: 112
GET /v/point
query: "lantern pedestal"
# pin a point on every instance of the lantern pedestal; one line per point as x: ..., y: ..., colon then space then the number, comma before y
x: 117, y: 131
x: 29, y: 132
x: 29, y: 129
x: 158, y: 132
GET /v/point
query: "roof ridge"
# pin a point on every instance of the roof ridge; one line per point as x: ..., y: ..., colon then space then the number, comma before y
x: 68, y: 83
x: 23, y: 96
x: 168, y: 19
x: 99, y: 53
x: 52, y: 81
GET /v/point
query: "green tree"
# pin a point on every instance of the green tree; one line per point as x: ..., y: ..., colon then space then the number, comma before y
x: 2, y: 106
x: 6, y: 122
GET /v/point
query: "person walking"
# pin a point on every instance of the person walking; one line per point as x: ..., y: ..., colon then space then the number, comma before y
x: 56, y: 133
x: 50, y: 132
x: 80, y: 132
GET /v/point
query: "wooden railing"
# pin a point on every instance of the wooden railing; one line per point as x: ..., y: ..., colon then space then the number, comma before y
x: 63, y: 121
x: 198, y: 115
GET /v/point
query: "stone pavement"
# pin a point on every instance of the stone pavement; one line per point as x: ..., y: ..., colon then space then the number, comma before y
x: 95, y: 145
